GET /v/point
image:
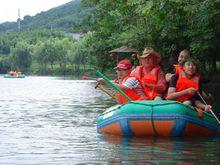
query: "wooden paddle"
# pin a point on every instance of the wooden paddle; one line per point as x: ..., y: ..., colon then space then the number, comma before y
x: 113, y: 86
x: 98, y: 85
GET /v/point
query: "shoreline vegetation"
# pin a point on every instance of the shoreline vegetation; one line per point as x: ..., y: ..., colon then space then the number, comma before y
x: 104, y: 27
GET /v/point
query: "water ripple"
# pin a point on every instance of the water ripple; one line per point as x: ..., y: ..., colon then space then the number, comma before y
x: 49, y: 120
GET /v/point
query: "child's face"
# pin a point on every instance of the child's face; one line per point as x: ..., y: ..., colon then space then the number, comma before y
x: 189, y: 68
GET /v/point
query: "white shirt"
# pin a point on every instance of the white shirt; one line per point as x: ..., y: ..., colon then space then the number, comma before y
x: 133, y: 83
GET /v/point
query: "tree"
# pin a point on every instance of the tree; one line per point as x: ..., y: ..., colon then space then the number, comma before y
x: 21, y: 57
x: 167, y: 26
x: 62, y: 47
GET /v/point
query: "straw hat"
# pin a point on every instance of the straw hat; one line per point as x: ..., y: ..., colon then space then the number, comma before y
x: 151, y: 52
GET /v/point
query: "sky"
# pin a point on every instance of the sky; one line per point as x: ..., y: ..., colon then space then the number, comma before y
x: 9, y: 8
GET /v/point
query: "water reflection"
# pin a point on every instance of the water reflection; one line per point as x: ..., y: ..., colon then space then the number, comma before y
x: 162, y: 150
x: 48, y: 119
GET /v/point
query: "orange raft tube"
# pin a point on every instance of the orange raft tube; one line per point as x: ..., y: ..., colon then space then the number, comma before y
x: 156, y: 118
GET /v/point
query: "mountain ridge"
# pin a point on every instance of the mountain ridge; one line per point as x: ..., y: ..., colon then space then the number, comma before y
x: 62, y: 18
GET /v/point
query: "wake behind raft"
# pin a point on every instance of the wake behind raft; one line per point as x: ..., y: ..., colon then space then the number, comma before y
x: 156, y: 118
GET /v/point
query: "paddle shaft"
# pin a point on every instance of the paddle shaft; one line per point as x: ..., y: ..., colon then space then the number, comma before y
x: 114, y: 86
x: 104, y: 90
x: 210, y: 110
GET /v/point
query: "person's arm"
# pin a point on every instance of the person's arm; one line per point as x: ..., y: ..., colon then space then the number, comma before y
x: 168, y: 76
x: 161, y: 83
x: 172, y: 94
x: 103, y: 82
x: 130, y: 83
x: 202, y: 93
x: 170, y: 72
x: 121, y: 86
x: 206, y: 107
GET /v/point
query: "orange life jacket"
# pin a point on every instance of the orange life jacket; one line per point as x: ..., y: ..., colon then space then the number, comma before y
x: 184, y: 83
x: 178, y: 68
x: 150, y: 78
x: 130, y: 92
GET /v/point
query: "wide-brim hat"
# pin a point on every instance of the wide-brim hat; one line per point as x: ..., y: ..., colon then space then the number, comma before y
x: 151, y: 52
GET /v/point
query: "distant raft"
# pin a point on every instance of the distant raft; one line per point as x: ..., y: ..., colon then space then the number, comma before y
x: 14, y: 76
x: 156, y: 118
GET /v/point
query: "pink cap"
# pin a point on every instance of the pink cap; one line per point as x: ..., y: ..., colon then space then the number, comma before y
x: 124, y: 64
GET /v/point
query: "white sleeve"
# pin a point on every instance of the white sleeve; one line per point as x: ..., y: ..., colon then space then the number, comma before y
x: 131, y: 83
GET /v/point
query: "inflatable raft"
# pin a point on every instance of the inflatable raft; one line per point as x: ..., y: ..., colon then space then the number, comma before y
x: 156, y: 118
x: 14, y: 76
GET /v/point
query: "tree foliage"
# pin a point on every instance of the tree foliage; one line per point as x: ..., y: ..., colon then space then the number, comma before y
x: 44, y: 47
x: 168, y: 26
x: 20, y: 57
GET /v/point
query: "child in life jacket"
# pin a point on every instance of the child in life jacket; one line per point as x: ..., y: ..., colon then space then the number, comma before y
x: 175, y: 69
x: 184, y: 87
x: 150, y: 74
x: 127, y: 83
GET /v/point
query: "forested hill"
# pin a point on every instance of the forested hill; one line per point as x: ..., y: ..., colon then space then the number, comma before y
x: 64, y: 17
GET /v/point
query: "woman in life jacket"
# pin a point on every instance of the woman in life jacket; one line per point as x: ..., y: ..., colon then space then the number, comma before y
x: 184, y: 87
x: 150, y: 74
x: 129, y: 84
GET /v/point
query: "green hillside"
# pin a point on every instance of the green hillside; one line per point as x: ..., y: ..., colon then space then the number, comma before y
x: 64, y: 18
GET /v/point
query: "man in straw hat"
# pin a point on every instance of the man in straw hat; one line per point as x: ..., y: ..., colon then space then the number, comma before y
x: 150, y: 74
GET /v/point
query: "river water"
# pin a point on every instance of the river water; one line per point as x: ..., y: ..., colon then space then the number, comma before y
x: 52, y: 120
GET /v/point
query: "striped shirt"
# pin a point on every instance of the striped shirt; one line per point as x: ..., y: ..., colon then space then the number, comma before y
x: 133, y: 83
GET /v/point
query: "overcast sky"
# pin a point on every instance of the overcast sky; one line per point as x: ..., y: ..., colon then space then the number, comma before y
x: 9, y: 8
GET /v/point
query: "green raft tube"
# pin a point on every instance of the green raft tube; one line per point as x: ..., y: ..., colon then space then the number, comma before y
x: 14, y: 76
